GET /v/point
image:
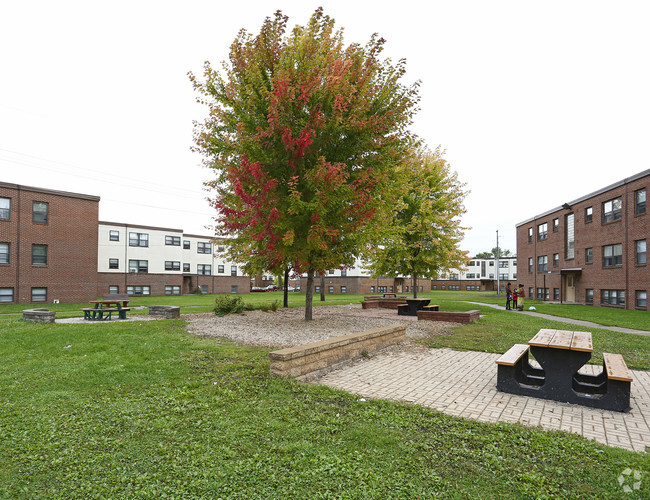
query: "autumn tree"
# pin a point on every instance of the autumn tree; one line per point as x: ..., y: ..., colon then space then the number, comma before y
x: 303, y: 135
x: 425, y: 233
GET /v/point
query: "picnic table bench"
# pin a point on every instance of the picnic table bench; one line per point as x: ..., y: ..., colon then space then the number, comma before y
x: 103, y: 309
x: 412, y: 307
x: 560, y: 354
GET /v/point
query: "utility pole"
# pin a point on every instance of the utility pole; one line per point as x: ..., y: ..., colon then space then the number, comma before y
x: 497, y: 266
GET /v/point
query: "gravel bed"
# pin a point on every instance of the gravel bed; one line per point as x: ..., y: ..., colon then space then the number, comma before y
x: 287, y: 327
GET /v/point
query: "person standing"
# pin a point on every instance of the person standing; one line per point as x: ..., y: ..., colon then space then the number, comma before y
x: 520, y: 297
x: 508, y: 296
x: 514, y: 299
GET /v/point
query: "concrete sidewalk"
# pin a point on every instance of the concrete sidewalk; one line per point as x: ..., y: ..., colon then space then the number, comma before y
x: 463, y: 384
x: 586, y: 324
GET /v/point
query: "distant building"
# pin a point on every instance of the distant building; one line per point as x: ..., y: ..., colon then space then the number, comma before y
x: 591, y: 250
x: 480, y: 275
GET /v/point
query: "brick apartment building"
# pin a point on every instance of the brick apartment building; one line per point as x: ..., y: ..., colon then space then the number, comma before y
x: 592, y: 250
x: 48, y: 245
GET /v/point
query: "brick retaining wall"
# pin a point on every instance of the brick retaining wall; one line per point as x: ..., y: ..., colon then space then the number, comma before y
x: 320, y: 357
x: 454, y: 317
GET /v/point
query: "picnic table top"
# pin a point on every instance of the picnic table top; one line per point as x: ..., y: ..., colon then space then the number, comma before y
x: 563, y: 339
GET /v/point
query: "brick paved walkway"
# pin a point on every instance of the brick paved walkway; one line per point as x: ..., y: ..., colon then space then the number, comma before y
x: 463, y: 384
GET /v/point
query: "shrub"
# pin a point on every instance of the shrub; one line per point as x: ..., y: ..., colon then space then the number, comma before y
x: 227, y: 304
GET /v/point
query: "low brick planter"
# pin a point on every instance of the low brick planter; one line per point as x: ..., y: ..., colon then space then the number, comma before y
x: 453, y: 317
x: 316, y: 358
x: 39, y: 315
x: 370, y: 304
x: 169, y: 312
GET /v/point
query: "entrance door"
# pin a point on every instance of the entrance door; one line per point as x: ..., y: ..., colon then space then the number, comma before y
x: 570, y: 288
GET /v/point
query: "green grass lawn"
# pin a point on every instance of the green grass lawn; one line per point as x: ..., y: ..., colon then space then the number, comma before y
x: 141, y: 410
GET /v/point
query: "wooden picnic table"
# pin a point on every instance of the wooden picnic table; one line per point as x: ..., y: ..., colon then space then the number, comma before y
x: 561, y: 354
x: 103, y: 309
x: 412, y: 307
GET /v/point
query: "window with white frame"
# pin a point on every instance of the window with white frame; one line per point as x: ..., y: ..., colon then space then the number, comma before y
x: 589, y: 255
x: 204, y: 269
x: 40, y: 212
x: 113, y: 235
x: 639, y: 202
x: 233, y: 288
x: 203, y: 247
x: 344, y: 272
x: 530, y: 235
x: 138, y: 266
x: 612, y: 210
x: 470, y: 276
x: 330, y: 289
x: 233, y: 270
x: 556, y: 259
x: 39, y: 255
x: 186, y: 267
x: 138, y: 239
x: 589, y: 214
x: 569, y: 236
x: 4, y: 253
x: 641, y: 252
x: 556, y: 294
x: 613, y: 255
x: 113, y: 263
x: 138, y: 290
x: 113, y: 289
x: 172, y: 290
x: 344, y: 289
x: 530, y: 264
x: 641, y: 298
x: 172, y: 265
x: 221, y: 269
x: 504, y: 264
x: 173, y: 240
x: 6, y: 294
x: 503, y: 276
x: 186, y: 244
x: 589, y: 295
x: 5, y: 212
x: 556, y: 225
x: 204, y: 288
x: 317, y: 288
x: 39, y: 294
x: 542, y: 231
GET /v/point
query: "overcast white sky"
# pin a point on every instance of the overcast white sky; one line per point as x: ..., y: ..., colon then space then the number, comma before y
x: 535, y: 103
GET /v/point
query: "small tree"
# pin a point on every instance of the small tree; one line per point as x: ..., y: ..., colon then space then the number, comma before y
x: 303, y: 135
x: 425, y: 232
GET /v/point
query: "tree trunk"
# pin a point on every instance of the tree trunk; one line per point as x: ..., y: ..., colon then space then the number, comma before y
x: 415, y: 286
x: 309, y: 295
x: 322, y: 287
x: 286, y: 288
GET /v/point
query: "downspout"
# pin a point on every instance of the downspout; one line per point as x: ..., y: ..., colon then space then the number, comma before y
x: 17, y: 297
x: 628, y: 296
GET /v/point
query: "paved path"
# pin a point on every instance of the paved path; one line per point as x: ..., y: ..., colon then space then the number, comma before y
x: 463, y: 384
x: 580, y: 322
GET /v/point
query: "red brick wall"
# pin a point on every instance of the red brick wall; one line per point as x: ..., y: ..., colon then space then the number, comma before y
x: 70, y: 234
x: 157, y: 282
x: 595, y: 234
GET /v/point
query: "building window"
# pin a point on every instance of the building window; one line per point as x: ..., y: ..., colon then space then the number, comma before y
x: 613, y: 255
x: 556, y: 294
x: 40, y: 212
x: 503, y: 277
x: 172, y: 265
x: 453, y: 276
x: 233, y: 288
x: 589, y: 214
x: 491, y: 276
x: 542, y: 231
x: 220, y: 269
x: 641, y: 299
x: 186, y: 267
x: 344, y: 289
x: 173, y: 240
x: 6, y: 294
x: 331, y: 271
x: 641, y: 252
x: 542, y: 293
x: 372, y: 289
x: 204, y: 269
x: 113, y: 235
x: 113, y: 263
x: 4, y: 253
x: 138, y: 266
x: 233, y: 270
x: 317, y: 289
x: 138, y: 240
x: 172, y: 290
x: 612, y: 210
x: 39, y: 255
x: 39, y: 294
x: 556, y: 225
x: 204, y: 289
x: 344, y: 272
x: 569, y: 244
x: 330, y: 289
x: 530, y: 291
x: 503, y: 264
x: 186, y: 244
x: 612, y: 297
x: 589, y: 255
x: 530, y: 264
x: 138, y: 290
x: 113, y: 289
x: 406, y: 289
x: 589, y: 298
x: 639, y: 202
x: 470, y: 276
x: 556, y: 259
x: 5, y: 213
x: 530, y: 235
x: 202, y: 247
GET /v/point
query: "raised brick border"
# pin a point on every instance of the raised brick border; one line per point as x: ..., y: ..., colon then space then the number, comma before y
x: 316, y: 358
x: 454, y: 317
x: 39, y: 315
x: 376, y: 302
